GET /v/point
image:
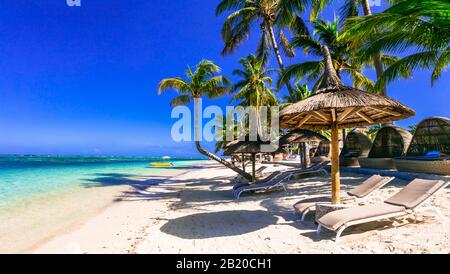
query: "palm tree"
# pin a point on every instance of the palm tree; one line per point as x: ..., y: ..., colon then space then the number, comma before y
x: 348, y: 9
x: 270, y: 14
x: 420, y: 25
x: 254, y: 87
x: 301, y: 92
x: 344, y: 61
x: 202, y: 81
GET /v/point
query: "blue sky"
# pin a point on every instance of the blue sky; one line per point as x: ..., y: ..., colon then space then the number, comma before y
x: 83, y: 80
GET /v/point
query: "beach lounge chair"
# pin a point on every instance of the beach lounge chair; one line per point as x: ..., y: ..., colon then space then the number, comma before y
x: 278, y: 179
x: 408, y: 201
x: 362, y: 191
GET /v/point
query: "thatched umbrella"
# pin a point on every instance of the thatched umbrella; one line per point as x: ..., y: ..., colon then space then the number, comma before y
x: 302, y: 136
x: 334, y: 106
x: 248, y: 147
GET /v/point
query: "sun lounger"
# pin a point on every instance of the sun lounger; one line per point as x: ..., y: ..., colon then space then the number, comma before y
x: 408, y: 201
x: 278, y: 179
x: 362, y: 191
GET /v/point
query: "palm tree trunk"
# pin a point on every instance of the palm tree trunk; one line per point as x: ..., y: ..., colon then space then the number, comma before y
x: 276, y: 50
x: 209, y: 154
x: 377, y: 57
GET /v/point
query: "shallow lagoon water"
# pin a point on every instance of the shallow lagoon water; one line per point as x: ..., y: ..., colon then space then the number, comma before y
x: 40, y: 196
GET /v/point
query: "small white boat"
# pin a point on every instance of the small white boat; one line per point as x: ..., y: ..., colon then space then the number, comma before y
x: 166, y: 157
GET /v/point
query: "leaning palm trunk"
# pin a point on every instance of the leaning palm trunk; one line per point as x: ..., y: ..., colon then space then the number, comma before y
x: 209, y: 154
x: 276, y: 50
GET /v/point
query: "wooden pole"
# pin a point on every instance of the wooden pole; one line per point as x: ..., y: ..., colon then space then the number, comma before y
x: 254, y: 167
x: 243, y: 162
x: 335, y: 176
x: 307, y: 156
x: 303, y: 155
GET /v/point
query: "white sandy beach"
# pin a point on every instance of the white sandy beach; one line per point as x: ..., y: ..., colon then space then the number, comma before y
x: 195, y: 213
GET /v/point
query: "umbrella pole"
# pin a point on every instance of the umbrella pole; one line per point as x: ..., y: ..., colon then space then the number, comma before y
x: 254, y: 167
x: 335, y: 176
x: 243, y: 162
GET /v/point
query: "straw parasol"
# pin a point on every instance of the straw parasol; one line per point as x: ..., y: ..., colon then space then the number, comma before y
x: 333, y: 106
x: 302, y: 136
x: 248, y: 147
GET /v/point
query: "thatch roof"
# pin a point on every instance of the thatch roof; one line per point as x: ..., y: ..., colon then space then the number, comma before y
x: 249, y: 147
x: 333, y: 101
x: 390, y: 142
x: 301, y: 135
x: 431, y: 134
x: 356, y: 144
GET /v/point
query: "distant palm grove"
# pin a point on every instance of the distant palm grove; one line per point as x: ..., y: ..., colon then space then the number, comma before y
x: 358, y: 41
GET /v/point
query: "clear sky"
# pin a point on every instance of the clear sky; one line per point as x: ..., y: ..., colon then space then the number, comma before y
x: 82, y: 80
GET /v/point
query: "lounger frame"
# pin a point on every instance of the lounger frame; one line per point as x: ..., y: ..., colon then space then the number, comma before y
x: 276, y: 182
x: 413, y: 211
x: 368, y: 197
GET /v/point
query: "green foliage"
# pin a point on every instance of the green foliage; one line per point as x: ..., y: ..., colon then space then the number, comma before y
x: 244, y: 14
x: 253, y: 89
x: 301, y: 92
x: 202, y: 81
x: 344, y: 59
x: 419, y: 25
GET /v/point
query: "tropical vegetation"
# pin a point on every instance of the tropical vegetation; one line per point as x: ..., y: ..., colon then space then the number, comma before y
x: 361, y: 41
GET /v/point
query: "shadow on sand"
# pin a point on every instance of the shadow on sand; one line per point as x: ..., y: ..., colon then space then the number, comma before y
x: 220, y: 224
x: 215, y: 191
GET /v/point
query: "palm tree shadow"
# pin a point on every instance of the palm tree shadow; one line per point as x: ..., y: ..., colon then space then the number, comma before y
x: 218, y: 224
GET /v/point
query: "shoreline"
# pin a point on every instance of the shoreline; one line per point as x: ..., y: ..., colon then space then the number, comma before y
x: 31, y: 223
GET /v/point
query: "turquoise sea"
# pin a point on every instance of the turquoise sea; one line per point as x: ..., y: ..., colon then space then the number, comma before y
x: 40, y: 196
x: 27, y: 177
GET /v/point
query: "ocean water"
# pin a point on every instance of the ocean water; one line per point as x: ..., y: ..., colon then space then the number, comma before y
x: 40, y: 197
x: 24, y: 178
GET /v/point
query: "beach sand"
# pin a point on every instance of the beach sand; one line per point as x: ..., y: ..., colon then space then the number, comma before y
x: 195, y: 213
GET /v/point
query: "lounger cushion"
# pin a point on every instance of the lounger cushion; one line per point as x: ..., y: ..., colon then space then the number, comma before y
x: 368, y: 186
x: 334, y: 220
x: 415, y: 193
x: 305, y: 204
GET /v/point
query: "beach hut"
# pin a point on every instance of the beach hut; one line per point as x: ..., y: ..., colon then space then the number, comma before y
x: 355, y: 145
x: 429, y: 148
x: 336, y: 106
x: 390, y: 142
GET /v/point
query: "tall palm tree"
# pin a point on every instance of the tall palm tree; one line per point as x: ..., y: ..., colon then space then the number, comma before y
x: 270, y: 14
x: 344, y: 61
x: 419, y: 25
x: 204, y: 81
x: 253, y: 89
